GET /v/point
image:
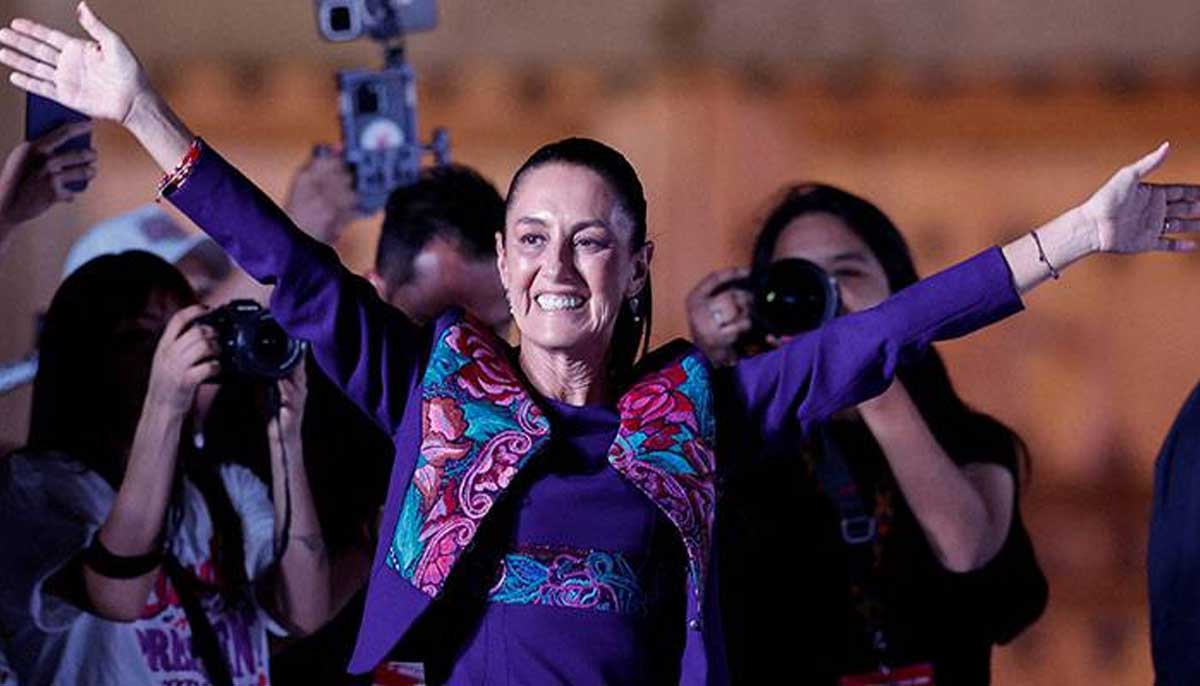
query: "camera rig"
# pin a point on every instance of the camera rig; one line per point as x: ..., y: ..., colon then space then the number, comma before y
x: 378, y: 108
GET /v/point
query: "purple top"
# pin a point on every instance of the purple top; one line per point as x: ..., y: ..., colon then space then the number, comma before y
x: 575, y: 502
x: 377, y: 356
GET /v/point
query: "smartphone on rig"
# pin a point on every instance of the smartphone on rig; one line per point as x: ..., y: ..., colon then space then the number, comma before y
x: 43, y: 115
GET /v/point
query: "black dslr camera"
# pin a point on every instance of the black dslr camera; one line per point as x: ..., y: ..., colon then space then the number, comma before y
x: 253, y: 345
x: 378, y: 108
x: 790, y: 297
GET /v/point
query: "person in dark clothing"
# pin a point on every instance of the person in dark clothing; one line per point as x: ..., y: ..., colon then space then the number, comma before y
x: 1173, y: 559
x: 904, y: 509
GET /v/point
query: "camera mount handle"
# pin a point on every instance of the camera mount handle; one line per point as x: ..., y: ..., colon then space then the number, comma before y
x: 395, y: 57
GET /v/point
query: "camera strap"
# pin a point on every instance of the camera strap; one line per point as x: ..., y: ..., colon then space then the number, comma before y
x: 205, y: 643
x: 860, y: 534
x: 274, y: 410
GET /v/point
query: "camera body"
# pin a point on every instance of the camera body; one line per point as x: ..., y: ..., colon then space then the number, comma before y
x: 382, y: 20
x: 378, y: 111
x: 790, y: 297
x: 253, y: 345
x: 378, y: 108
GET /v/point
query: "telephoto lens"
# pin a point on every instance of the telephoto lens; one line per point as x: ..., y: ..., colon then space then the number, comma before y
x: 790, y: 297
x: 794, y: 296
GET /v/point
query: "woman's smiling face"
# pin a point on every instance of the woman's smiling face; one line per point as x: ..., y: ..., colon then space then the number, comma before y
x: 567, y: 260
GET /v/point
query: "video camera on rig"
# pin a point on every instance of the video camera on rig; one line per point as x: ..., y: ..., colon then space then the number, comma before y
x: 378, y: 108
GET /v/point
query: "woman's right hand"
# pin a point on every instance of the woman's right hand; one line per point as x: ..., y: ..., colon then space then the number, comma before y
x: 186, y: 356
x: 100, y: 77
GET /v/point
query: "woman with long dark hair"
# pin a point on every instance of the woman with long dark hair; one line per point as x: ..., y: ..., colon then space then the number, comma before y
x: 133, y: 554
x: 551, y: 509
x: 895, y: 512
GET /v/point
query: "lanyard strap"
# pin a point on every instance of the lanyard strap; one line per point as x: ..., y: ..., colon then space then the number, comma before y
x: 833, y: 474
x: 206, y: 644
x: 859, y: 532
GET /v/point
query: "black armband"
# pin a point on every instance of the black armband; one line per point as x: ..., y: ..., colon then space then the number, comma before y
x: 104, y: 562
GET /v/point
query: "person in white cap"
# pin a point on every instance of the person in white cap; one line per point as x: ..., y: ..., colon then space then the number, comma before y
x: 151, y: 229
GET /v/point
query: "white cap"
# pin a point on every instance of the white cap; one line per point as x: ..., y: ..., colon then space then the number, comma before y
x: 147, y: 228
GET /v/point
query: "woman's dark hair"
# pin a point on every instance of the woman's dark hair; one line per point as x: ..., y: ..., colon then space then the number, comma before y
x: 93, y: 374
x: 926, y: 379
x: 866, y: 221
x: 631, y: 337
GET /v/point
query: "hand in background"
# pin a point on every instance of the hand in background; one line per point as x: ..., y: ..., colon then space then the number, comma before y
x: 186, y: 356
x: 293, y: 394
x: 321, y: 199
x: 34, y: 178
x: 718, y: 316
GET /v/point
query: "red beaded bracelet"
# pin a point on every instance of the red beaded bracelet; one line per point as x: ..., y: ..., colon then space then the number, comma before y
x: 174, y: 180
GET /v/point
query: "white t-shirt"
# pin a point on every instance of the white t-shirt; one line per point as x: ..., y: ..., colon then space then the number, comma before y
x: 50, y: 508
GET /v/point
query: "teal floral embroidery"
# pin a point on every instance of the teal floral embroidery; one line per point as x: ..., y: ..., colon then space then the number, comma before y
x: 564, y: 577
x: 478, y: 429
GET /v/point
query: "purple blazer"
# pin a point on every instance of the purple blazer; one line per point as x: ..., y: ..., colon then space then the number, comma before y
x: 379, y: 358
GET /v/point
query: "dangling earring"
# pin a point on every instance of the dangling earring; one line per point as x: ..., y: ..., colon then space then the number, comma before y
x: 635, y: 306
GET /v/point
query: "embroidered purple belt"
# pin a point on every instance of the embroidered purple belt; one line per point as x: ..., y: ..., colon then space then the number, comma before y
x: 565, y: 577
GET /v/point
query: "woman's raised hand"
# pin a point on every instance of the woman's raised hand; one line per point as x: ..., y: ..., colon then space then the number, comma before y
x: 100, y: 77
x: 1132, y: 216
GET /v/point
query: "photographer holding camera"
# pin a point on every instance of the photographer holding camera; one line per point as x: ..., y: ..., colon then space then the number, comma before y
x: 133, y: 554
x: 895, y: 523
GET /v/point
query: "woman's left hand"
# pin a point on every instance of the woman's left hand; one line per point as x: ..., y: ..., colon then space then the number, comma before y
x: 1131, y: 216
x: 293, y: 393
x: 322, y: 200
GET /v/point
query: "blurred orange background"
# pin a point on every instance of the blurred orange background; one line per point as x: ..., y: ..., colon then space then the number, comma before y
x: 967, y: 121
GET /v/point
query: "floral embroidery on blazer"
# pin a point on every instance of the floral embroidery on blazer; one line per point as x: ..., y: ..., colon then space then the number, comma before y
x: 480, y: 427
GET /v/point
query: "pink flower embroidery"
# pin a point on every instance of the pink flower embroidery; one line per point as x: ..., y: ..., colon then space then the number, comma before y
x: 488, y: 375
x: 442, y: 427
x: 657, y: 399
x: 660, y: 435
x: 443, y: 543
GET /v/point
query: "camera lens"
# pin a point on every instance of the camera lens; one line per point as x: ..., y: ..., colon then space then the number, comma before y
x: 339, y: 19
x: 795, y: 296
x: 272, y: 346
